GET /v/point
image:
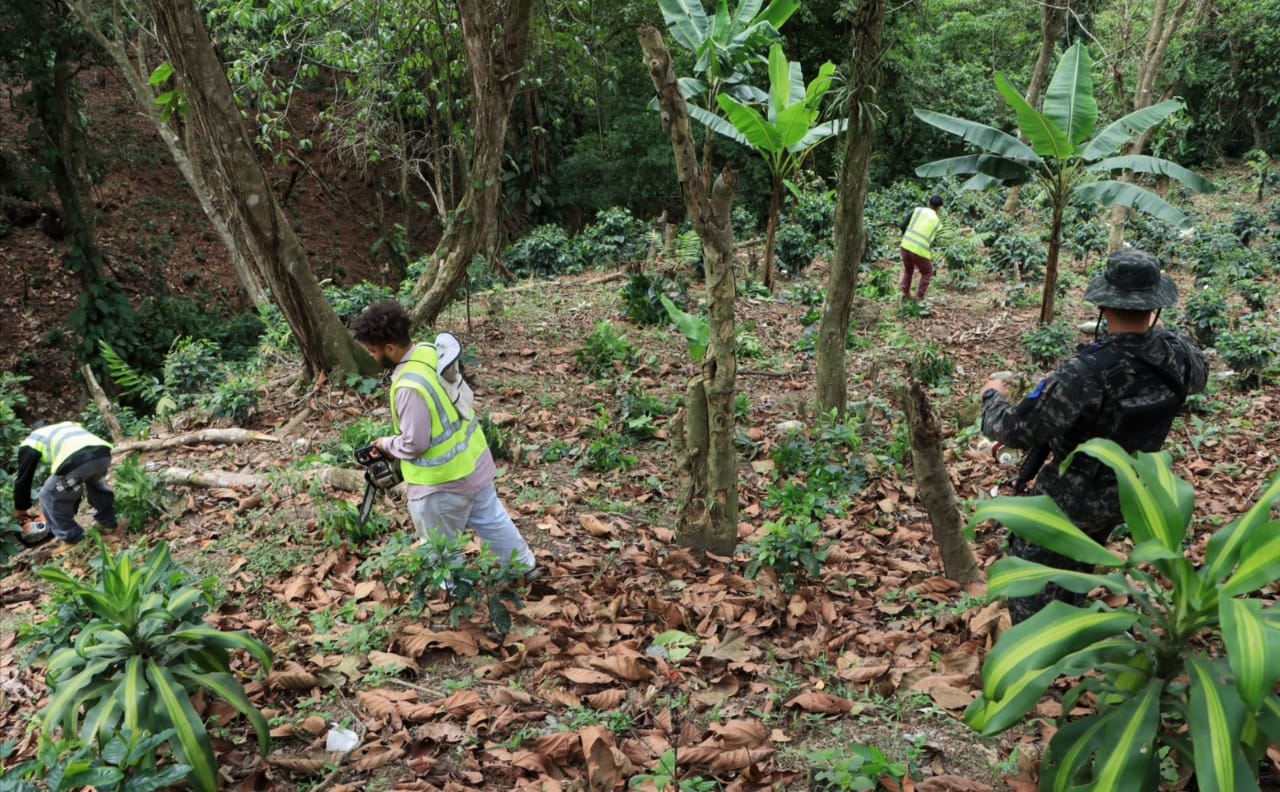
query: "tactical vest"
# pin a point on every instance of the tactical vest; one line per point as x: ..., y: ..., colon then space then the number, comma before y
x: 1140, y: 401
x: 921, y: 230
x: 57, y: 442
x: 457, y: 443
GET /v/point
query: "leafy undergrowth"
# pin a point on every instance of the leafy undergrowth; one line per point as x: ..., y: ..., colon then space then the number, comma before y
x: 631, y: 647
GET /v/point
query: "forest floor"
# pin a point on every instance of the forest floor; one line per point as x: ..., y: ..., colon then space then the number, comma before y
x: 879, y: 650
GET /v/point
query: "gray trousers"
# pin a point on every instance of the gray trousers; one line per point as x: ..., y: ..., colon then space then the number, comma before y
x: 60, y: 499
x: 449, y: 514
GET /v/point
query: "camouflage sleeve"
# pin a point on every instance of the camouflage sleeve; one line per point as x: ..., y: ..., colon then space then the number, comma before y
x: 1047, y: 413
x: 1197, y: 368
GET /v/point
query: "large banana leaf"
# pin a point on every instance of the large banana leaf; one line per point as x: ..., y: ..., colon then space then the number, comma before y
x: 1046, y: 138
x: 1068, y: 101
x: 792, y: 124
x: 1018, y: 577
x: 1253, y: 649
x: 758, y: 133
x: 985, y: 137
x: 785, y: 81
x: 1216, y: 717
x: 981, y: 181
x: 1127, y: 759
x: 686, y: 21
x: 718, y: 124
x: 1125, y: 128
x: 1039, y: 520
x: 1141, y: 163
x: 1000, y: 168
x: 823, y: 131
x: 819, y: 85
x: 778, y: 12
x: 1224, y: 546
x: 1114, y: 193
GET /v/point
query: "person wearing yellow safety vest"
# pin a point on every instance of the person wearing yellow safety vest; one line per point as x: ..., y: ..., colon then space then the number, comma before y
x: 918, y: 233
x: 444, y: 457
x: 78, y: 463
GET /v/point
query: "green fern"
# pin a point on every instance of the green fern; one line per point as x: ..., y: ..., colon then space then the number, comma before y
x: 689, y: 248
x: 131, y: 383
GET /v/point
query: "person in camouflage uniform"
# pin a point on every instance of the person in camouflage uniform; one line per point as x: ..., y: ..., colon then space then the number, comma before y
x: 1126, y: 387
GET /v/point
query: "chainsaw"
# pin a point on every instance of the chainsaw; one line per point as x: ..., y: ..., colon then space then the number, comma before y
x: 380, y: 473
x: 34, y: 531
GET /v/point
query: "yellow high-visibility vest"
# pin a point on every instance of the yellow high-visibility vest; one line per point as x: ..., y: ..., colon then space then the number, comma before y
x: 920, y: 232
x: 457, y: 443
x: 57, y: 442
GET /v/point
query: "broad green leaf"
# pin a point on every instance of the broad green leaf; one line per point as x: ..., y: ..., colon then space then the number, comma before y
x: 1069, y: 750
x: 759, y: 133
x: 102, y: 719
x: 695, y: 329
x: 819, y: 86
x: 985, y: 137
x: 780, y: 80
x: 1259, y: 564
x: 778, y: 12
x: 1124, y: 129
x: 1068, y: 101
x: 981, y: 181
x: 1141, y: 163
x: 686, y: 21
x: 820, y: 133
x: 989, y: 716
x: 1157, y: 471
x: 1114, y: 193
x: 226, y: 686
x: 1041, y: 641
x: 132, y: 694
x: 190, y: 739
x: 67, y: 696
x: 1224, y: 546
x: 1269, y: 717
x: 1039, y: 520
x: 1253, y: 649
x: 1017, y: 577
x: 1215, y: 718
x: 1129, y: 760
x: 792, y: 124
x: 1149, y: 512
x: 232, y: 641
x: 718, y: 124
x: 1048, y: 140
x: 1001, y: 168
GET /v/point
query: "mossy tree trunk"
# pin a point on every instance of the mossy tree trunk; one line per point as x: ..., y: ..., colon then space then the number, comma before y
x: 497, y: 40
x: 936, y: 490
x: 708, y: 517
x: 850, y: 221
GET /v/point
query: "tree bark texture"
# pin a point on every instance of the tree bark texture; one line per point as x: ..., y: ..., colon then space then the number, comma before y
x: 342, y: 479
x: 708, y: 516
x: 134, y: 71
x: 850, y: 220
x: 497, y: 39
x: 219, y: 436
x: 105, y: 407
x: 1053, y: 17
x: 1164, y: 25
x: 240, y: 186
x: 936, y: 490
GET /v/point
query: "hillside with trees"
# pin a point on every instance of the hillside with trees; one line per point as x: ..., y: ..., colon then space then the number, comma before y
x: 666, y: 234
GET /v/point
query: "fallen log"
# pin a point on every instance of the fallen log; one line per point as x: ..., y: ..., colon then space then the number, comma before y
x: 224, y: 436
x: 344, y: 479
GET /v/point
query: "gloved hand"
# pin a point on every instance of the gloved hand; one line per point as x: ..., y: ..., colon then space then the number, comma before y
x: 21, y: 516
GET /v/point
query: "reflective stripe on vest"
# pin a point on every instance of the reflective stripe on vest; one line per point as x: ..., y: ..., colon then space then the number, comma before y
x: 456, y: 443
x: 920, y: 232
x: 57, y: 442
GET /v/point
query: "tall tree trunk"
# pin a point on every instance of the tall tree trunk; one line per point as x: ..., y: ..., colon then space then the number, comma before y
x: 936, y: 490
x: 850, y: 222
x: 497, y: 40
x: 771, y: 233
x: 708, y: 517
x: 1051, y: 265
x: 1164, y: 25
x: 1053, y: 18
x: 241, y: 189
x: 135, y: 70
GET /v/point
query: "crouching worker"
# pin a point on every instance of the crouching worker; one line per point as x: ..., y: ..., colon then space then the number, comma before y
x: 78, y: 461
x: 444, y: 457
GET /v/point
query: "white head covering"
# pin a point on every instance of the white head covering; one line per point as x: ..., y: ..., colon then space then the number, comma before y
x: 448, y: 353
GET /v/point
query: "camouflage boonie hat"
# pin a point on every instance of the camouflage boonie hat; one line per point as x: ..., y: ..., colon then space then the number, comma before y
x: 1133, y: 282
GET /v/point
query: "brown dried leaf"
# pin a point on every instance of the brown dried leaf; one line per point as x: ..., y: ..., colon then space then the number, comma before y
x: 314, y: 725
x: 719, y: 759
x: 716, y: 693
x: 594, y: 525
x: 376, y: 703
x: 461, y: 703
x: 390, y: 660
x: 733, y: 648
x: 293, y: 677
x: 604, y: 762
x: 823, y: 703
x: 585, y: 676
x: 950, y: 783
x: 561, y: 747
x: 413, y: 643
x: 623, y: 667
x: 735, y: 733
x: 304, y: 765
x: 606, y: 699
x: 379, y: 757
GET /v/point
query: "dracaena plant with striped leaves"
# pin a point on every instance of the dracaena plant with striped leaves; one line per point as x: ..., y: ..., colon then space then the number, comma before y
x: 138, y: 652
x: 1189, y: 663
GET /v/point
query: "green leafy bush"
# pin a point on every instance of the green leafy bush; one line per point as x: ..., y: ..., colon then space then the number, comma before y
x: 13, y: 430
x: 815, y: 212
x: 852, y: 768
x: 1051, y: 343
x: 361, y: 432
x: 1204, y: 315
x: 1249, y: 349
x: 235, y: 399
x: 547, y: 250
x: 501, y: 439
x: 1185, y: 669
x: 930, y: 366
x: 350, y: 302
x: 190, y: 368
x: 1018, y: 252
x: 795, y: 248
x: 616, y: 237
x: 664, y: 776
x: 340, y: 523
x: 125, y: 761
x: 609, y: 453
x: 138, y: 652
x: 605, y: 353
x: 1256, y: 294
x: 794, y: 549
x: 139, y: 495
x: 642, y: 300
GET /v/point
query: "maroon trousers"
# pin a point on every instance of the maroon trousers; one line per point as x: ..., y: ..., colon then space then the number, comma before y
x: 910, y: 263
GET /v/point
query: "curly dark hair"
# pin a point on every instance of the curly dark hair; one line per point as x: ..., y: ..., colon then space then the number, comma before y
x: 383, y: 323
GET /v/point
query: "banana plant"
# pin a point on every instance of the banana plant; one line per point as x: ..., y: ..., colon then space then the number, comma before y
x: 784, y: 132
x: 1062, y: 157
x: 139, y: 654
x: 1189, y: 664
